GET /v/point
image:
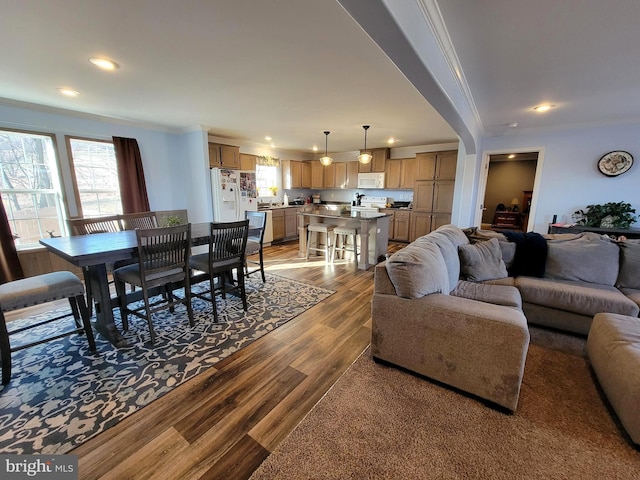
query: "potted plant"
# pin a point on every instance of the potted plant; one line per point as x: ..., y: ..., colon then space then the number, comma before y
x: 609, y: 215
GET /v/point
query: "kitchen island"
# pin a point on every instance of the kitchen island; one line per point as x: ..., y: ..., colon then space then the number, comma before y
x: 374, y: 232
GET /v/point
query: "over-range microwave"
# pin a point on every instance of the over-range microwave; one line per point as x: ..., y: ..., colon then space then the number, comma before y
x: 371, y: 180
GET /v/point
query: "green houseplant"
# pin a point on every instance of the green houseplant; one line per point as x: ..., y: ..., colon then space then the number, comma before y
x: 614, y: 214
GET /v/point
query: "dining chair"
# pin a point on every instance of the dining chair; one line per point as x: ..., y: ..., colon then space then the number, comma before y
x: 88, y: 226
x: 227, y: 243
x: 131, y: 221
x: 255, y: 239
x: 163, y: 263
x: 38, y: 290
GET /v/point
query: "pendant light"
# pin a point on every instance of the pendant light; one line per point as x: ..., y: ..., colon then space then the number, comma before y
x: 365, y: 157
x: 326, y: 160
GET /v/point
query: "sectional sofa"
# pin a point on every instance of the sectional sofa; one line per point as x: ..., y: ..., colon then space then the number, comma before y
x: 447, y: 307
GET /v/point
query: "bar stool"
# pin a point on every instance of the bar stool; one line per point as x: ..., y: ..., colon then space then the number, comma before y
x: 314, y: 229
x: 341, y: 236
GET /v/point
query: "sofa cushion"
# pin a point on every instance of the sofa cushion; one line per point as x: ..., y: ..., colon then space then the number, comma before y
x: 418, y: 270
x: 587, y: 257
x: 629, y: 274
x: 482, y: 261
x: 632, y: 294
x: 449, y: 252
x: 454, y: 234
x: 485, y: 292
x: 572, y: 296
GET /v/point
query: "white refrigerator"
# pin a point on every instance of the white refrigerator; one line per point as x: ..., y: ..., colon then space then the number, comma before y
x: 233, y: 193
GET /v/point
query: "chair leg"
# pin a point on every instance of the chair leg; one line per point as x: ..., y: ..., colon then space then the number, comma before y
x: 264, y: 279
x: 79, y: 304
x: 88, y: 289
x: 5, y: 351
x: 212, y: 284
x: 122, y: 296
x: 187, y: 296
x: 243, y: 292
x: 147, y: 309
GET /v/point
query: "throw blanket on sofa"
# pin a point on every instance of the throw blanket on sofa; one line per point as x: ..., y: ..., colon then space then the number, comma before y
x: 530, y: 256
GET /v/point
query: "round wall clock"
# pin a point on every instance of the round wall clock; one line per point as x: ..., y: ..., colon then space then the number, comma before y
x: 615, y: 163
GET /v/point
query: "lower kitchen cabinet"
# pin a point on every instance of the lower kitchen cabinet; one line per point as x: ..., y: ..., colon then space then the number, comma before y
x: 291, y: 223
x: 426, y: 222
x: 399, y: 224
x: 278, y: 224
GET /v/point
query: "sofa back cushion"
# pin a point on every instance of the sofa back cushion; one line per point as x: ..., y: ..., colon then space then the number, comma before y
x: 629, y: 275
x: 453, y: 233
x: 418, y: 270
x: 449, y: 253
x: 587, y: 257
x: 482, y: 261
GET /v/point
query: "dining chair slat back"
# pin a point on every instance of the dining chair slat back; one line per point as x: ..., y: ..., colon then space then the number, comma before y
x: 89, y: 225
x: 255, y: 240
x: 143, y: 220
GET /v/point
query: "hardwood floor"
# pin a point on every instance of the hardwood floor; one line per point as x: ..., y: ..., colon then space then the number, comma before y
x: 225, y: 422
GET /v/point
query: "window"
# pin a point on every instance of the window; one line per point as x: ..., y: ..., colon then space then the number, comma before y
x: 96, y: 177
x: 30, y: 186
x: 267, y: 180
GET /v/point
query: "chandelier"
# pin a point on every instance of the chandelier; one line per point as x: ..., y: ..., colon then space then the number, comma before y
x: 326, y: 160
x: 365, y: 157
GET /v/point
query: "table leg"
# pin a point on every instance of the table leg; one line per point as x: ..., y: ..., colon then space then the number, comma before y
x: 104, y: 311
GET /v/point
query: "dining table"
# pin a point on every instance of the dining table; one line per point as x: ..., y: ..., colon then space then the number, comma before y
x: 98, y: 250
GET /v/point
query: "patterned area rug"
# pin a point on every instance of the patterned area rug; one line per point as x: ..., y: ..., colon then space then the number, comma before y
x: 61, y: 394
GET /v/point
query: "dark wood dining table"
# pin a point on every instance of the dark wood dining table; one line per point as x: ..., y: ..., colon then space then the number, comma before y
x: 98, y: 250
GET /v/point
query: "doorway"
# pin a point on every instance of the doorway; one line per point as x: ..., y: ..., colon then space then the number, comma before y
x: 507, y: 199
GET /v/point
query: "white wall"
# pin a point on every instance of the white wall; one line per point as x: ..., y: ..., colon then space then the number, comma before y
x: 570, y: 179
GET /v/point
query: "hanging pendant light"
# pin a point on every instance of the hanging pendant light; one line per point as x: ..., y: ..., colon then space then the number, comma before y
x: 326, y: 160
x: 365, y: 157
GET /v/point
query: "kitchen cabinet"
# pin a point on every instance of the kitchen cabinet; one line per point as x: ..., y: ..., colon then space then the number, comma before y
x: 278, y: 224
x: 393, y: 171
x: 352, y: 174
x: 436, y: 165
x: 317, y: 175
x: 433, y: 196
x: 291, y: 223
x: 425, y: 222
x: 399, y: 224
x: 400, y: 173
x: 378, y: 162
x: 224, y: 156
x: 329, y: 179
x: 247, y: 162
x: 340, y: 175
x: 306, y: 175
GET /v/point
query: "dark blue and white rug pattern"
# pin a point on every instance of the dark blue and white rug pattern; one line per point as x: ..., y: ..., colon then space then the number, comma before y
x: 61, y: 394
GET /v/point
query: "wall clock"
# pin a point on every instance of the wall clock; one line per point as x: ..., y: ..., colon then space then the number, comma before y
x: 615, y: 163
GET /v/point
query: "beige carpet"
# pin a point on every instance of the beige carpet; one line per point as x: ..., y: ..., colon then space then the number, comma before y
x: 378, y: 422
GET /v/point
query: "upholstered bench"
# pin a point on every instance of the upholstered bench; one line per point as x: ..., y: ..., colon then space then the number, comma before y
x: 613, y: 347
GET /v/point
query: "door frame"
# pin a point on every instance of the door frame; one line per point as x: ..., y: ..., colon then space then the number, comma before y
x: 484, y: 173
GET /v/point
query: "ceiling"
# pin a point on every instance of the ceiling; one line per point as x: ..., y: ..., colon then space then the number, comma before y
x: 245, y: 69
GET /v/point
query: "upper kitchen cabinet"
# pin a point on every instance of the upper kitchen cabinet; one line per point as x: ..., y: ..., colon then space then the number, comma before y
x: 436, y: 165
x: 296, y: 174
x: 317, y: 175
x: 247, y: 162
x: 378, y: 162
x: 400, y: 173
x: 224, y: 156
x: 329, y: 180
x: 352, y: 174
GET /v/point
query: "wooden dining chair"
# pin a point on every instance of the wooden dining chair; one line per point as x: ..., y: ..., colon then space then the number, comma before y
x: 38, y: 290
x: 88, y: 226
x: 227, y: 243
x: 255, y: 240
x: 131, y: 221
x: 163, y: 263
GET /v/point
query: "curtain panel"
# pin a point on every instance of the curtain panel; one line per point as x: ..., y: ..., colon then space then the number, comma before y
x: 133, y: 189
x: 10, y: 268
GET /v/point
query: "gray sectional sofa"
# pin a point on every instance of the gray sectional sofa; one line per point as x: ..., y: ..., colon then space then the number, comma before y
x: 446, y: 307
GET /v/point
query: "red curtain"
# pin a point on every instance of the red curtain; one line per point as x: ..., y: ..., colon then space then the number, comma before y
x: 10, y: 268
x: 133, y: 189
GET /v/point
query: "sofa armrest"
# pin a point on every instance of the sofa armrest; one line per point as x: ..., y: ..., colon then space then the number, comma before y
x: 381, y: 281
x: 474, y: 346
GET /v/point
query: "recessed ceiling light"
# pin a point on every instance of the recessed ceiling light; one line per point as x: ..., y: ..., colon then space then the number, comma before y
x: 104, y: 63
x: 273, y: 145
x: 69, y: 92
x: 543, y: 108
x: 391, y: 141
x: 512, y: 124
x: 315, y: 148
x: 268, y: 138
x: 512, y: 156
